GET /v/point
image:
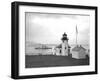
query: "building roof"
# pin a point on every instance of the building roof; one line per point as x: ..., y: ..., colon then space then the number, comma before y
x: 78, y: 48
x: 64, y: 37
x: 64, y: 34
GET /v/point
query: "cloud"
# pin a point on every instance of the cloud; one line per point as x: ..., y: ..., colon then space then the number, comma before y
x: 48, y: 28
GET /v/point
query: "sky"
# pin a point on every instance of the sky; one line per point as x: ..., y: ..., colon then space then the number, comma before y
x: 47, y: 28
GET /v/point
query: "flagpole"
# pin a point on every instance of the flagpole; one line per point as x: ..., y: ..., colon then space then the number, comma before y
x: 76, y: 38
x: 76, y: 34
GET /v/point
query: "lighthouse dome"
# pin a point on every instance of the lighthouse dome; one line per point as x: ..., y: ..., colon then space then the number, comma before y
x: 64, y: 37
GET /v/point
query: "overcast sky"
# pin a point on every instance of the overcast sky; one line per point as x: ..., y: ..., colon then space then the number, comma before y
x: 48, y: 28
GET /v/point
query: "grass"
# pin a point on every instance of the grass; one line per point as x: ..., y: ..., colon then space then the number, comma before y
x: 33, y: 61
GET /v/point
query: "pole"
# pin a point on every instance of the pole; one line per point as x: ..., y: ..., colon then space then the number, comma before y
x: 76, y: 38
x: 76, y: 34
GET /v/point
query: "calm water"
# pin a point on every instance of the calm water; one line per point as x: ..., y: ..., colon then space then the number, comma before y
x: 30, y: 49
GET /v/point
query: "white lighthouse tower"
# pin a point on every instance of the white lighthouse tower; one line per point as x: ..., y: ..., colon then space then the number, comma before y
x: 65, y: 45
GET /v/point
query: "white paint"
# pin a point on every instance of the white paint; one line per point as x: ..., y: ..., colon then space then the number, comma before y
x: 81, y: 54
x: 65, y: 51
x: 75, y: 55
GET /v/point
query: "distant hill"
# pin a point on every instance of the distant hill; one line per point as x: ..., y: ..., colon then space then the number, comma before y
x: 37, y: 45
x: 32, y: 44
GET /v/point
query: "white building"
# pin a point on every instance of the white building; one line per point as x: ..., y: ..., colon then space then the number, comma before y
x: 63, y: 49
x: 79, y: 52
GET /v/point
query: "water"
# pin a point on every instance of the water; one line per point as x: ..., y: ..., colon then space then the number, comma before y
x: 31, y: 49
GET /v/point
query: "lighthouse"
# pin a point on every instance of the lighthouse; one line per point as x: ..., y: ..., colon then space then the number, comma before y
x: 65, y: 47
